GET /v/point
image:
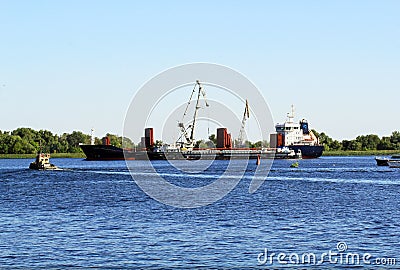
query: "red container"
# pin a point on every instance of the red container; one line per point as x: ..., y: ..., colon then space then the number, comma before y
x: 149, y: 137
x: 224, y: 139
x: 221, y: 137
x: 106, y: 141
x: 228, y: 142
x: 280, y: 140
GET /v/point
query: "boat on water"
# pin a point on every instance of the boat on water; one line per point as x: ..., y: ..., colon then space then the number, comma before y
x: 296, y: 136
x: 184, y: 148
x: 42, y: 162
x: 223, y: 151
x: 394, y: 163
x: 384, y: 161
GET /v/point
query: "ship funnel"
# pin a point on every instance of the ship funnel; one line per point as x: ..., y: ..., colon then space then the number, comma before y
x: 304, y: 126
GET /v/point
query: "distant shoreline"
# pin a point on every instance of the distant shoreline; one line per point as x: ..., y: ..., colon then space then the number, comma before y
x: 54, y: 155
x: 342, y: 153
x: 325, y: 154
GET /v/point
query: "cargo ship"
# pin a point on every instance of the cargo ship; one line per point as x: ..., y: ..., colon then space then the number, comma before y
x: 222, y: 151
x: 296, y: 136
x: 185, y: 148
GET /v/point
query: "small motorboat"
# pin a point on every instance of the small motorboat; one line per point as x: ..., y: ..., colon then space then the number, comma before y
x: 384, y: 161
x: 394, y: 163
x: 42, y: 162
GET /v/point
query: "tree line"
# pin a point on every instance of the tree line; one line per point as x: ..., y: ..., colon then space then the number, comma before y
x: 29, y: 141
x: 361, y: 143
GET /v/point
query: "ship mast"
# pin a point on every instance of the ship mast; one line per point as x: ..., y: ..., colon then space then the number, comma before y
x: 291, y: 115
x: 92, y: 136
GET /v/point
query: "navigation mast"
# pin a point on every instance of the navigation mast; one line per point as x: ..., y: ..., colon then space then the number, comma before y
x: 291, y: 115
x: 92, y: 136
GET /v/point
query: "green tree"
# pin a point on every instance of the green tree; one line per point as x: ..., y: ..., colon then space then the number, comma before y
x: 316, y: 133
x: 98, y: 141
x: 48, y: 141
x: 352, y: 145
x: 114, y: 140
x: 368, y: 142
x: 127, y: 143
x: 198, y: 144
x: 248, y: 144
x: 335, y: 145
x: 74, y: 139
x: 30, y: 140
x: 385, y: 144
x: 325, y: 140
x: 21, y: 146
x: 395, y: 139
x: 4, y: 143
x: 213, y: 139
x: 26, y: 133
x: 14, y: 144
x: 258, y: 144
x: 63, y: 145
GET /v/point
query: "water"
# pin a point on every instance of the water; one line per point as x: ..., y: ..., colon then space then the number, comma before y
x: 94, y: 215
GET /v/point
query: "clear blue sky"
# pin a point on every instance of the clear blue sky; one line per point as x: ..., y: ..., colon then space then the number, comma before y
x: 338, y: 62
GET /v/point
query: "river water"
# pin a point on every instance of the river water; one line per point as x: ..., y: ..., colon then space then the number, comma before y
x: 92, y: 214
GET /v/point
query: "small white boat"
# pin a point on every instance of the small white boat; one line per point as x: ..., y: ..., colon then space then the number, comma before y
x: 394, y: 163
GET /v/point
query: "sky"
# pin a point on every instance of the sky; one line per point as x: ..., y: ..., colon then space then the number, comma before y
x: 76, y: 65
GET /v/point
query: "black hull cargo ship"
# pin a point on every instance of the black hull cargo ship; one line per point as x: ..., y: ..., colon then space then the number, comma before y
x: 308, y: 151
x: 109, y: 152
x: 223, y: 151
x: 285, y: 146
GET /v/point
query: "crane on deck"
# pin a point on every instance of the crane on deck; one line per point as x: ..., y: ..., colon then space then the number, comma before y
x: 185, y: 131
x: 246, y: 116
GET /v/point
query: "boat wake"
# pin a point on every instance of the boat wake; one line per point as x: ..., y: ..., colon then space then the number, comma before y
x: 251, y: 177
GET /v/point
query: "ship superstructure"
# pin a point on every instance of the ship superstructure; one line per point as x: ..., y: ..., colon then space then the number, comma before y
x: 296, y: 136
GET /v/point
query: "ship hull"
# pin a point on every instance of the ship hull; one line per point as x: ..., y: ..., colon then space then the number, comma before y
x: 308, y: 151
x: 109, y: 152
x: 382, y: 161
x: 103, y: 152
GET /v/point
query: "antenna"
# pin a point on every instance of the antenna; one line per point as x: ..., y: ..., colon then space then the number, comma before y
x: 292, y: 111
x: 291, y: 114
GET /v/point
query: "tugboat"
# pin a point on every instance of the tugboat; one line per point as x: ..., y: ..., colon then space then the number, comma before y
x: 42, y: 162
x: 296, y: 137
